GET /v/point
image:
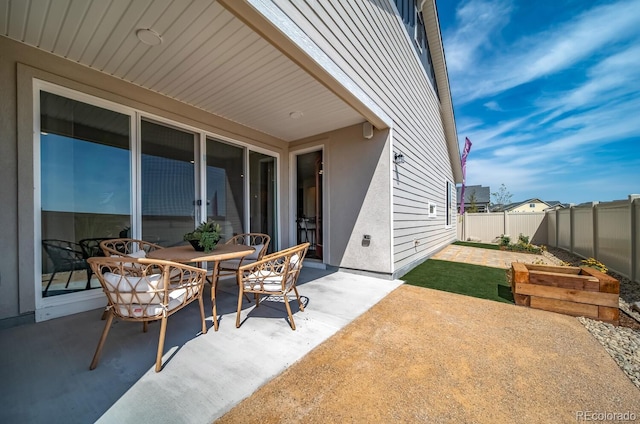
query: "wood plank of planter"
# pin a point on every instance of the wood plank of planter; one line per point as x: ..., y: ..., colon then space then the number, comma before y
x: 567, y: 281
x: 519, y: 274
x: 565, y: 307
x: 554, y: 268
x: 601, y: 299
x: 608, y: 284
x: 611, y: 315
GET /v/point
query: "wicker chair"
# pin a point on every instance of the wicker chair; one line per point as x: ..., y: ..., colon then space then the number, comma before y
x: 127, y: 247
x: 274, y: 275
x: 142, y: 295
x: 257, y: 240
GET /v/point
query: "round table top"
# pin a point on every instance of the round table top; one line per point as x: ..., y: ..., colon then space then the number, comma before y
x: 186, y: 253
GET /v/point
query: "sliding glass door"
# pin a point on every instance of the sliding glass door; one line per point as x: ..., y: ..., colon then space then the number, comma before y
x: 225, y: 186
x: 99, y: 180
x: 168, y: 183
x: 262, y: 194
x: 85, y: 188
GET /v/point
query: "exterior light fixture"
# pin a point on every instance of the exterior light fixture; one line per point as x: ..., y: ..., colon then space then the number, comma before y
x: 148, y: 36
x: 398, y: 158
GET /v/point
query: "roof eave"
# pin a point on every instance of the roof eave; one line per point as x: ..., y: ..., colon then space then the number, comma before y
x: 432, y: 25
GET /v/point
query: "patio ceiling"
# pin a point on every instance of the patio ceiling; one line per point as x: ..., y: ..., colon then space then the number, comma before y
x: 207, y: 58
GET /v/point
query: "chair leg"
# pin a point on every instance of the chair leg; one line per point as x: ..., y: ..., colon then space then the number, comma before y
x: 214, y: 292
x: 163, y: 330
x: 89, y: 273
x: 44, y: 294
x: 299, y: 300
x: 286, y: 304
x: 107, y: 327
x: 240, y: 294
x: 69, y: 279
x: 204, y: 324
x: 145, y: 326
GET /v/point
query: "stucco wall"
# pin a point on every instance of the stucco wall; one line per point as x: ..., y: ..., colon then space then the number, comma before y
x: 357, y: 198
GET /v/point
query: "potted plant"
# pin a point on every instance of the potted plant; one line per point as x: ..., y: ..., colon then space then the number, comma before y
x: 205, y: 237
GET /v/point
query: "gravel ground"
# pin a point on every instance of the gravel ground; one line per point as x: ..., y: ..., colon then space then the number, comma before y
x: 621, y: 342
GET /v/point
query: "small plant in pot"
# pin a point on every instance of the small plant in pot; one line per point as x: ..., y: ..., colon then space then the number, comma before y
x: 205, y: 237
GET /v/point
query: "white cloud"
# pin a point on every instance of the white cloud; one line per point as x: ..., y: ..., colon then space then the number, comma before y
x: 538, y: 55
x: 478, y: 20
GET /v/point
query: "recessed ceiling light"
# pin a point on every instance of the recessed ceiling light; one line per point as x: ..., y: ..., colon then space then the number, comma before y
x: 296, y: 115
x: 148, y: 36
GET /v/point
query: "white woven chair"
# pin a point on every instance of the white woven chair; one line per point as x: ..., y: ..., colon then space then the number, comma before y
x: 274, y: 275
x: 136, y: 292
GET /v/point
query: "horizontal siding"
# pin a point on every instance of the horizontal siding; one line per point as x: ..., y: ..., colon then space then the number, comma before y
x: 368, y: 41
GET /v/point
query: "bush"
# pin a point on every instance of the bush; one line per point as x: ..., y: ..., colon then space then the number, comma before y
x: 594, y: 263
x: 523, y: 245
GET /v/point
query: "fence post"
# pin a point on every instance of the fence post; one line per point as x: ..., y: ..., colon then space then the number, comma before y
x: 594, y: 216
x: 505, y: 225
x: 464, y: 227
x: 557, y: 226
x: 633, y: 200
x: 572, y: 227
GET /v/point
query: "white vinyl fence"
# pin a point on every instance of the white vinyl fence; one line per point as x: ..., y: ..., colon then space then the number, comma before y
x: 488, y: 227
x: 609, y: 232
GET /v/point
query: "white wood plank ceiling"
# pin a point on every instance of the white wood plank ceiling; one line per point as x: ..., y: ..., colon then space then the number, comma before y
x: 207, y: 58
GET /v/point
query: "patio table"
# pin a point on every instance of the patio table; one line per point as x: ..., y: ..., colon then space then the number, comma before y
x: 187, y: 254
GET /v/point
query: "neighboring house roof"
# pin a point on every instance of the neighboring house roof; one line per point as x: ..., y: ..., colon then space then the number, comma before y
x: 483, y: 194
x: 510, y: 206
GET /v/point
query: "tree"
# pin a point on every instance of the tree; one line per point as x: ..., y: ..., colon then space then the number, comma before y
x: 502, y: 196
x: 473, y: 202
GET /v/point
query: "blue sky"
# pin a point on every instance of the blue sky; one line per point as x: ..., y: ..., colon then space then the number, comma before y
x: 548, y: 92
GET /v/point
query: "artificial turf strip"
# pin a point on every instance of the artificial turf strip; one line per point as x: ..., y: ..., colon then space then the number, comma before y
x: 479, y: 245
x: 455, y: 277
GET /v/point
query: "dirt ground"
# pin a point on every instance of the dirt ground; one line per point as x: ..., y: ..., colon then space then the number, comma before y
x: 422, y: 355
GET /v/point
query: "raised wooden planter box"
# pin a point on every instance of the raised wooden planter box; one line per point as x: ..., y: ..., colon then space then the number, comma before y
x: 567, y: 290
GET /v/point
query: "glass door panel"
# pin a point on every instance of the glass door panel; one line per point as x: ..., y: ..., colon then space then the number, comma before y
x: 225, y: 186
x: 85, y: 180
x: 168, y: 183
x: 262, y: 190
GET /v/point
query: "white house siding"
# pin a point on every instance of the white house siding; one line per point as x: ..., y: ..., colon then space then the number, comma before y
x: 367, y: 40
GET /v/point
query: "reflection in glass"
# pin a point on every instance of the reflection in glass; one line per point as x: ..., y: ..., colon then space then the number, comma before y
x: 85, y: 181
x: 225, y: 187
x: 167, y: 183
x: 262, y: 190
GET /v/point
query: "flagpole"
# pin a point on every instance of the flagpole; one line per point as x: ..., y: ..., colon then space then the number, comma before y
x: 463, y: 162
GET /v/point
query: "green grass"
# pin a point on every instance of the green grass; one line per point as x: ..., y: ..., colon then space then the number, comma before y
x: 455, y: 277
x: 480, y: 245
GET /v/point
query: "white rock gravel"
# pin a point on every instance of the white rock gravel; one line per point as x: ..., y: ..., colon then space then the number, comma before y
x: 622, y: 343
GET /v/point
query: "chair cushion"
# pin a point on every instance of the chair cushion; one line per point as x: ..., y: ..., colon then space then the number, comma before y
x: 230, y: 264
x: 138, y: 254
x: 129, y: 289
x: 254, y: 255
x: 271, y: 281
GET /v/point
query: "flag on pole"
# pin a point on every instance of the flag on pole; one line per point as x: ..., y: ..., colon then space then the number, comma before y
x: 463, y: 162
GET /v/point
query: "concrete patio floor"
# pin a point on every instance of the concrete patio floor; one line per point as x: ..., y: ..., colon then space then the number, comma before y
x: 45, y: 366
